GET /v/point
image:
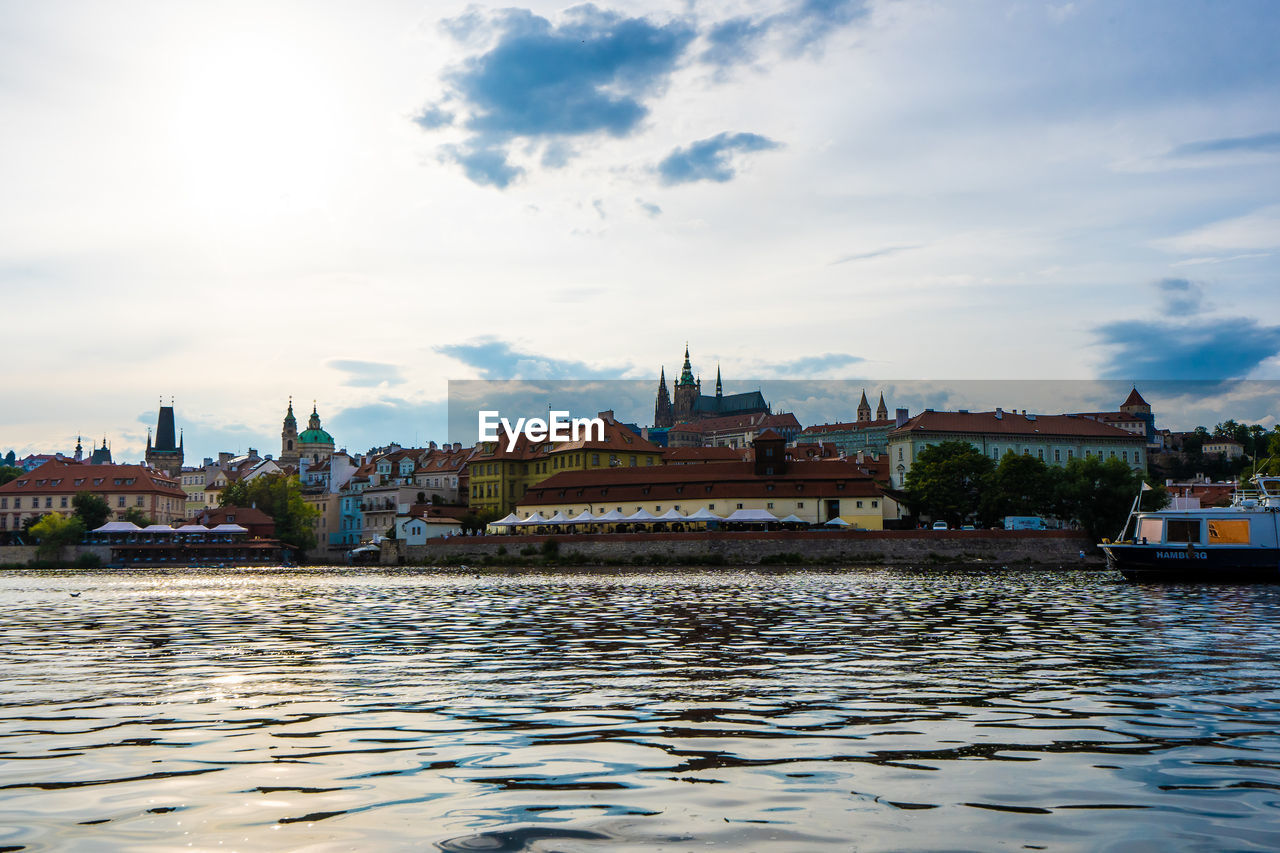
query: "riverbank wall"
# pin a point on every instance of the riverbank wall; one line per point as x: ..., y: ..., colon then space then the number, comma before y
x: 888, y: 547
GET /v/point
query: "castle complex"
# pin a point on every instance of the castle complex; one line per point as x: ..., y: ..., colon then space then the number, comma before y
x: 690, y: 404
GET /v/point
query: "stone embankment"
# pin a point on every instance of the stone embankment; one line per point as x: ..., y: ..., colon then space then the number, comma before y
x: 889, y: 547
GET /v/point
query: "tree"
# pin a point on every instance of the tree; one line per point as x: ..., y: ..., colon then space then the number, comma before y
x: 279, y: 496
x: 1098, y: 493
x: 948, y: 481
x: 9, y: 473
x: 137, y: 516
x: 1022, y: 485
x: 92, y: 510
x: 53, y: 532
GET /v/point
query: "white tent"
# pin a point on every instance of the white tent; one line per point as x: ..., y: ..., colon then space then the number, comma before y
x: 506, y: 521
x: 793, y: 519
x: 751, y: 516
x: 229, y: 528
x: 118, y: 527
x: 159, y: 528
x: 559, y: 518
x: 837, y: 522
x: 641, y: 515
x: 672, y: 514
x: 703, y: 514
x: 611, y: 516
x: 582, y: 518
x: 536, y: 518
x: 192, y: 528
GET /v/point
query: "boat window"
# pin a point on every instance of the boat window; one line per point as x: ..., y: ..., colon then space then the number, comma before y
x: 1229, y: 531
x: 1151, y: 529
x: 1183, y: 530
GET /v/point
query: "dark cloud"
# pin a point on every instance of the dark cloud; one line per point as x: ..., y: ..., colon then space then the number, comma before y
x: 799, y: 27
x: 486, y: 166
x: 433, y: 117
x: 1203, y: 349
x: 878, y: 253
x: 367, y: 374
x: 797, y: 368
x: 497, y: 359
x: 591, y: 74
x: 1179, y: 296
x: 1261, y: 142
x: 708, y: 159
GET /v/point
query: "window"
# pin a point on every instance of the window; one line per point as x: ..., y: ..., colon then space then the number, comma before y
x: 739, y: 506
x: 595, y: 458
x: 859, y: 504
x: 4, y: 503
x: 1229, y: 531
x: 120, y: 501
x: 770, y: 505
x: 799, y: 504
x: 875, y: 504
x: 138, y: 502
x: 48, y: 503
x: 1182, y: 530
x: 1041, y: 452
x: 64, y: 501
x: 1057, y: 454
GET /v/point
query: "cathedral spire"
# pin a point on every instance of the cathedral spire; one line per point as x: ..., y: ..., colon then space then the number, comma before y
x: 719, y: 389
x: 686, y: 373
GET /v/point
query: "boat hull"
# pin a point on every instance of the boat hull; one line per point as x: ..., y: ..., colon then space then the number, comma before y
x: 1171, y: 563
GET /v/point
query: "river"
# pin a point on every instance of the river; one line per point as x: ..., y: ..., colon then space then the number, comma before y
x: 864, y: 709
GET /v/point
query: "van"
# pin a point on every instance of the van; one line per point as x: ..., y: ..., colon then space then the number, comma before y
x: 1023, y: 522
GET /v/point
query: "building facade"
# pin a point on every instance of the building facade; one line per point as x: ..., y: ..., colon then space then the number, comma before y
x: 52, y: 488
x: 1054, y: 439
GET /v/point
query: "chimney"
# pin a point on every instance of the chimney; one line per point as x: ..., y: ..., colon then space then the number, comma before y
x: 901, y: 417
x: 606, y: 415
x: 999, y: 413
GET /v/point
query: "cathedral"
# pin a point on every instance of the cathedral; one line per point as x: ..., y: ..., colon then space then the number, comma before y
x: 690, y: 404
x: 313, y: 444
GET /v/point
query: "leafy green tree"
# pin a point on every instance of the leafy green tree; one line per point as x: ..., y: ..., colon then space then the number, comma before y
x: 11, y: 459
x: 279, y: 496
x: 1098, y: 494
x: 9, y: 473
x: 1022, y: 485
x: 92, y: 510
x: 54, y: 532
x: 137, y: 516
x: 948, y: 481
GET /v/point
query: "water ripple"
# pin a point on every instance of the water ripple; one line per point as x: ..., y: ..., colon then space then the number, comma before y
x: 888, y: 709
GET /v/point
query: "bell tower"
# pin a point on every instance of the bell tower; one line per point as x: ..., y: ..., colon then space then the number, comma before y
x: 289, y: 437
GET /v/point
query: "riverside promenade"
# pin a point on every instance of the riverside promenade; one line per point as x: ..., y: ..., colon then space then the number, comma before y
x: 864, y: 547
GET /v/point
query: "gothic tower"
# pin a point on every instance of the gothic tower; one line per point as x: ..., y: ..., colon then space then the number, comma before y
x: 882, y: 411
x: 289, y: 438
x: 687, y: 392
x: 662, y: 407
x: 864, y: 410
x: 166, y: 454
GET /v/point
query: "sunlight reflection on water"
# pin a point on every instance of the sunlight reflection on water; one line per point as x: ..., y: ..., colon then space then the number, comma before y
x: 879, y: 709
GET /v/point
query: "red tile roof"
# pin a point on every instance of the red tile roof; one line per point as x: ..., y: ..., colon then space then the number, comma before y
x: 851, y: 426
x: 1011, y: 423
x: 686, y: 455
x: 1134, y: 399
x: 59, y: 477
x: 785, y: 421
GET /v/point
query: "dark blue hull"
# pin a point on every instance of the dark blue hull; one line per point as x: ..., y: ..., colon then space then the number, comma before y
x: 1180, y: 564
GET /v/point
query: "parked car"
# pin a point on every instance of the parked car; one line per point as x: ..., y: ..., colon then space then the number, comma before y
x: 940, y: 525
x: 968, y: 527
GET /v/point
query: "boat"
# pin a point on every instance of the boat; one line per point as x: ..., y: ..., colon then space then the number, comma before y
x: 1233, y: 544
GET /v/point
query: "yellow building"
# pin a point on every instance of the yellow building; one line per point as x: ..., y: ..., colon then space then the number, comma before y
x: 499, y: 478
x: 815, y: 492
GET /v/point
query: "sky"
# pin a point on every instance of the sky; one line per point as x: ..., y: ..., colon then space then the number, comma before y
x: 233, y: 204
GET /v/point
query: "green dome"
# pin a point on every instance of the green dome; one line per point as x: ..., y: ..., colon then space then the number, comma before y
x: 315, y: 436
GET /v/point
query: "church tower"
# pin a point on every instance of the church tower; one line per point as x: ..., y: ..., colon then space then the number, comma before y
x: 289, y: 438
x: 882, y: 411
x: 166, y: 454
x: 864, y: 410
x: 687, y: 392
x: 662, y: 407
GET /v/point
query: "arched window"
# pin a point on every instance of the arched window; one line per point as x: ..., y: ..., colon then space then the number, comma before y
x: 291, y: 444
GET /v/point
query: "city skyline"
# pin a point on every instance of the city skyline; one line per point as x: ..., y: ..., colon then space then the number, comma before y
x: 237, y: 205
